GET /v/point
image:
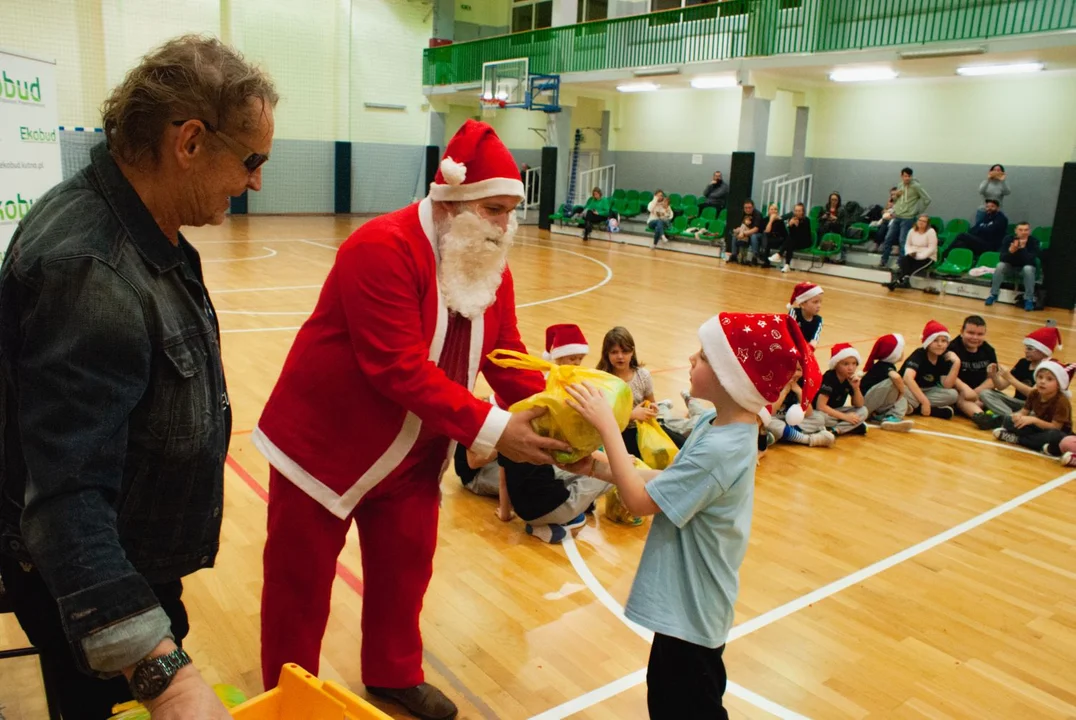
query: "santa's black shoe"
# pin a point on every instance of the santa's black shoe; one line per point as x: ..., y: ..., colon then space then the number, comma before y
x: 423, y: 701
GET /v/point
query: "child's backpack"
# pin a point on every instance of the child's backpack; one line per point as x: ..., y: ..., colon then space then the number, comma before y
x: 873, y: 214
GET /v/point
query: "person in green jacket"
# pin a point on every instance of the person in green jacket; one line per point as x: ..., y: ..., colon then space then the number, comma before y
x: 597, y: 210
x: 911, y: 201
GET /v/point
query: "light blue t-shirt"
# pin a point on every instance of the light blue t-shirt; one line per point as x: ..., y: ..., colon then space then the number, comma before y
x: 689, y: 574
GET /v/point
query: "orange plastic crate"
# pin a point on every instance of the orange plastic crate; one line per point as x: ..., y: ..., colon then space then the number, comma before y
x: 301, y: 696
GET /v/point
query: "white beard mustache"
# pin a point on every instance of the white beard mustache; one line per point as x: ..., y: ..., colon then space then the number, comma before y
x: 474, y: 253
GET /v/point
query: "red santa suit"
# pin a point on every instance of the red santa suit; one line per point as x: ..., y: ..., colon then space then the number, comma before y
x: 376, y: 387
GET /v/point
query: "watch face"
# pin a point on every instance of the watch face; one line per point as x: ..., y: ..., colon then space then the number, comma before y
x: 149, y: 680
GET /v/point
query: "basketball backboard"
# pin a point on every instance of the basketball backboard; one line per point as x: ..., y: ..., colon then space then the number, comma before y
x: 505, y: 81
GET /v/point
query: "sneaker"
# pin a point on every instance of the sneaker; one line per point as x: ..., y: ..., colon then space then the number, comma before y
x: 552, y: 534
x: 576, y: 524
x: 987, y: 420
x: 822, y: 439
x: 686, y: 395
x: 879, y: 417
x: 991, y: 299
x: 1046, y: 451
x: 664, y: 239
x: 1005, y: 435
x: 1029, y: 305
x: 785, y: 268
x: 775, y: 258
x: 770, y: 438
x: 860, y: 429
x: 942, y: 413
x: 895, y: 424
x: 1068, y: 459
x: 423, y: 701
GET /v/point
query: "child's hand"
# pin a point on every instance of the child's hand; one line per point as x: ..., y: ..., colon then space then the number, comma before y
x: 854, y: 381
x: 852, y: 418
x: 1021, y: 421
x: 642, y: 413
x: 951, y: 357
x: 589, y: 402
x: 992, y: 370
x: 924, y: 409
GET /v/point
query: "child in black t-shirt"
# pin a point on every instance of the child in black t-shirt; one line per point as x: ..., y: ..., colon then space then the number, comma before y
x: 787, y: 430
x: 839, y: 403
x: 930, y: 374
x: 976, y: 356
x: 1039, y: 345
x: 806, y: 306
x: 882, y: 386
x: 553, y: 502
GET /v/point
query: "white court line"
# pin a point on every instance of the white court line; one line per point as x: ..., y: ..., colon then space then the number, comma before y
x: 271, y: 253
x: 627, y: 682
x: 334, y: 248
x: 978, y: 441
x: 305, y: 313
x: 592, y: 288
x: 266, y: 289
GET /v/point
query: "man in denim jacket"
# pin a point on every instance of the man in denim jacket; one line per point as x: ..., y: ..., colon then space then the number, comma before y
x: 115, y: 415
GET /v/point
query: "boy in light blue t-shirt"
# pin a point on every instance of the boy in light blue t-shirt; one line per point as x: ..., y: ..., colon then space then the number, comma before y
x: 688, y: 576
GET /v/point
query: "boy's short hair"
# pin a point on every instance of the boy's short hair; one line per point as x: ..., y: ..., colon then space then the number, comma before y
x: 906, y: 171
x: 1023, y: 222
x: 976, y: 320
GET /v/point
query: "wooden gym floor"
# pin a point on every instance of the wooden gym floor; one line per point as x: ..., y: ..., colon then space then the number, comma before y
x: 924, y: 575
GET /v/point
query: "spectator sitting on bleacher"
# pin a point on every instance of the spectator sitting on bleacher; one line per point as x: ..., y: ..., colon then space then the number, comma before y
x: 597, y: 210
x: 994, y: 187
x: 987, y: 234
x: 912, y: 200
x: 741, y: 236
x: 882, y: 225
x: 1019, y: 256
x: 830, y: 219
x: 716, y: 194
x: 661, y: 216
x: 920, y: 251
x: 773, y: 235
x: 798, y: 237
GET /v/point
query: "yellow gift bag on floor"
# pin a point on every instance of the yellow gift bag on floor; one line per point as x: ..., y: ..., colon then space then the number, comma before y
x: 616, y: 510
x: 562, y: 422
x: 655, y: 446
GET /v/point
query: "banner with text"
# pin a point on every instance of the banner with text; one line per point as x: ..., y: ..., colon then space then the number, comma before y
x: 29, y: 138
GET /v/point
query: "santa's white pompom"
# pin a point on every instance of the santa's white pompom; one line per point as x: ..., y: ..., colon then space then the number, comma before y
x: 453, y: 172
x: 795, y: 415
x: 765, y: 416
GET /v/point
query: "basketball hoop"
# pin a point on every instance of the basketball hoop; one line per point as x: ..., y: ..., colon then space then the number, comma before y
x: 491, y: 106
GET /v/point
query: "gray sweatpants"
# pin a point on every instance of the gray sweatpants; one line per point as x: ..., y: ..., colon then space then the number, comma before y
x: 582, y: 491
x: 1000, y: 403
x: 487, y: 482
x: 885, y: 399
x: 937, y: 395
x: 818, y: 421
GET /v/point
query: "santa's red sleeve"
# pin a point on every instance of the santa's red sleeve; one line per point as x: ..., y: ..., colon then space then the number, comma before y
x: 510, y: 385
x: 380, y: 293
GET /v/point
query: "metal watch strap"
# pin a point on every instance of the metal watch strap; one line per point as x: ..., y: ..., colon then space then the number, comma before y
x: 152, y: 676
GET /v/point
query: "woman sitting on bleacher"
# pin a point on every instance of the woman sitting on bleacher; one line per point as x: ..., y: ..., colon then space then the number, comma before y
x: 597, y: 211
x: 920, y: 251
x: 661, y: 216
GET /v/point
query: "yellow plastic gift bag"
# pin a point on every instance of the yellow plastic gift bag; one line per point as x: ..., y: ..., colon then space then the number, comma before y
x: 562, y: 422
x: 616, y: 510
x: 655, y: 446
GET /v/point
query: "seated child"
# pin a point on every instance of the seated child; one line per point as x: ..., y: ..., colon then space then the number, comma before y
x: 565, y: 345
x: 479, y: 474
x: 1046, y: 417
x: 805, y: 306
x: 553, y: 502
x: 741, y: 240
x: 1039, y: 345
x: 782, y: 428
x: 882, y: 386
x: 930, y: 374
x: 688, y: 577
x: 839, y: 403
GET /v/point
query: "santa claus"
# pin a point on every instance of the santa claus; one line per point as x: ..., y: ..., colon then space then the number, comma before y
x: 375, y: 389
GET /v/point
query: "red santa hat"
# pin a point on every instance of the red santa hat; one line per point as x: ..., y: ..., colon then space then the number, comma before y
x: 842, y: 351
x: 887, y: 348
x: 564, y: 340
x: 803, y: 292
x: 933, y: 330
x: 1045, y: 340
x: 1063, y: 373
x: 754, y: 357
x: 476, y: 165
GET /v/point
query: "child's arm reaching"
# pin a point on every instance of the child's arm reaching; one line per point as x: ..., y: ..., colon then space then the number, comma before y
x: 504, y: 504
x: 898, y: 381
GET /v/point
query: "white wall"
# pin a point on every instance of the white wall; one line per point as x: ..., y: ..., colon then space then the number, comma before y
x: 681, y: 121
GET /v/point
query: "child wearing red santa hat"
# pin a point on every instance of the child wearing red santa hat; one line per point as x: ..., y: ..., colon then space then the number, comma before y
x: 784, y: 419
x: 882, y: 386
x: 701, y: 504
x: 1046, y: 417
x: 565, y: 344
x: 805, y: 306
x: 1039, y: 345
x: 930, y: 374
x: 839, y: 403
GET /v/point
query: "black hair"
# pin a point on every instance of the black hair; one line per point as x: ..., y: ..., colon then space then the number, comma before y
x: 906, y: 171
x: 999, y: 166
x: 976, y: 320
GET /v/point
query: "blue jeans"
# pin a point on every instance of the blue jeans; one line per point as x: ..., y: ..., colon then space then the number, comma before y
x: 898, y: 231
x: 1003, y: 269
x: 759, y: 244
x: 659, y: 227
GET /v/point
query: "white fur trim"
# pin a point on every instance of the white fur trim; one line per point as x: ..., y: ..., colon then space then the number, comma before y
x: 727, y: 367
x: 477, y: 190
x: 1036, y: 345
x: 492, y: 429
x: 764, y: 416
x: 897, y: 351
x: 1058, y: 372
x: 453, y: 172
x: 934, y: 336
x: 546, y: 356
x: 425, y: 219
x: 569, y: 349
x: 844, y: 354
x: 805, y: 296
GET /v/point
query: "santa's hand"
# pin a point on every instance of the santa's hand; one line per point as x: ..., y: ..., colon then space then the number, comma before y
x: 521, y: 444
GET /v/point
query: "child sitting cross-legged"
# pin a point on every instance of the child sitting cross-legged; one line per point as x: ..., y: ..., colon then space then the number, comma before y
x: 1046, y: 417
x: 839, y: 403
x: 930, y: 374
x: 688, y: 577
x: 786, y: 422
x: 1039, y: 345
x: 883, y: 387
x: 551, y: 501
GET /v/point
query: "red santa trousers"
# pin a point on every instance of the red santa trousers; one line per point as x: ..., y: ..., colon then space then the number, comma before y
x: 397, y: 523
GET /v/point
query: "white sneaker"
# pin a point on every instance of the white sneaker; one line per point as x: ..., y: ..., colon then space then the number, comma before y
x: 894, y: 425
x: 664, y: 239
x: 1068, y: 459
x: 784, y: 269
x: 775, y: 258
x: 823, y: 438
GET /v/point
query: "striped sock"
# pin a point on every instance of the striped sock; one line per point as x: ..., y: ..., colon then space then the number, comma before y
x: 793, y: 435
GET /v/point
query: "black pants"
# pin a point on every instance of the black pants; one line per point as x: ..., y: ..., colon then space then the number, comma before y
x: 1035, y: 438
x: 977, y: 245
x: 631, y: 439
x: 685, y: 681
x: 592, y: 218
x: 908, y: 265
x: 81, y: 696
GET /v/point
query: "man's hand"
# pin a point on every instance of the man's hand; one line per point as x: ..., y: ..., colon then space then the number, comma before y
x: 521, y: 444
x: 189, y: 696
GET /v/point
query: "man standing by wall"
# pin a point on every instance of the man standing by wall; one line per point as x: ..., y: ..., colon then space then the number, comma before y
x: 912, y: 201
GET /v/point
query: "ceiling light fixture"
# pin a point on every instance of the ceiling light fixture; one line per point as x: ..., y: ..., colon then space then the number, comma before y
x: 866, y: 74
x: 638, y: 87
x: 1013, y: 69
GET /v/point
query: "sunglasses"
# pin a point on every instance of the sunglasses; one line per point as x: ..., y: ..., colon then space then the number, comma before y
x: 251, y: 160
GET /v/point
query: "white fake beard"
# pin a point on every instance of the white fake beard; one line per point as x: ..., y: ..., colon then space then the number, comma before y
x: 474, y: 253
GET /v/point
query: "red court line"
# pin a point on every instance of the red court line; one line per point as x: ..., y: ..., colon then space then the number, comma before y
x: 242, y: 432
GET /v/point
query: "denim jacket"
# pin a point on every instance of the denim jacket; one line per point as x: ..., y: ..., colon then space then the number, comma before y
x: 114, y: 415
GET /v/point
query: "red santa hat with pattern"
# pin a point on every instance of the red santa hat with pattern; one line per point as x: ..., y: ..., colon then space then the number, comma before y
x: 803, y: 292
x: 564, y: 340
x: 887, y: 349
x: 476, y: 165
x: 754, y: 357
x: 934, y: 330
x: 843, y: 351
x: 1063, y: 373
x: 1045, y: 340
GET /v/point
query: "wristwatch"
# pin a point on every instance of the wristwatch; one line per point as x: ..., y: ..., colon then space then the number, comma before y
x: 152, y: 676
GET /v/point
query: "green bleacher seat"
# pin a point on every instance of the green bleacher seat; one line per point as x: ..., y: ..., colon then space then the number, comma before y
x: 816, y: 248
x: 864, y: 233
x: 716, y: 229
x: 954, y: 228
x: 632, y: 208
x: 723, y: 216
x: 619, y: 194
x: 990, y: 260
x: 644, y: 197
x: 690, y: 210
x: 1042, y: 234
x: 709, y: 213
x: 633, y: 195
x: 679, y: 226
x: 957, y: 262
x: 675, y: 201
x: 691, y: 200
x: 938, y: 224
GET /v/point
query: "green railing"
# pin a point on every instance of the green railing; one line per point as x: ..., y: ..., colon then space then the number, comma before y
x: 748, y: 28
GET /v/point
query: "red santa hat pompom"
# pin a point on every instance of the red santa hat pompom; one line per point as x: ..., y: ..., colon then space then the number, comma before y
x: 803, y: 292
x: 754, y: 357
x: 933, y: 330
x: 842, y: 351
x: 887, y: 348
x: 564, y: 340
x: 1063, y: 373
x: 476, y: 165
x: 1045, y: 340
